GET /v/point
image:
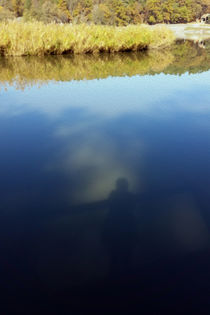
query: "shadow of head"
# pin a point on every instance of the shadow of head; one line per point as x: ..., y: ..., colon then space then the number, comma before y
x: 122, y: 185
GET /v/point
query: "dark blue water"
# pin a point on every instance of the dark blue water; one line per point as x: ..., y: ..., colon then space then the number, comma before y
x: 105, y: 192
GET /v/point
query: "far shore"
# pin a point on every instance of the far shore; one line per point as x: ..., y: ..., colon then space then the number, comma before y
x: 190, y: 31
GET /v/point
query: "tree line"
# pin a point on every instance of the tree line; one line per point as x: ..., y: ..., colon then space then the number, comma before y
x: 105, y: 12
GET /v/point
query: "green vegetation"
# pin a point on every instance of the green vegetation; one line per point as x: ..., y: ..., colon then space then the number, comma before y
x: 105, y: 12
x: 36, y: 38
x: 27, y: 71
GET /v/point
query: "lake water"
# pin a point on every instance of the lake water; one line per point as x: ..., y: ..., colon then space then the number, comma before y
x: 105, y: 183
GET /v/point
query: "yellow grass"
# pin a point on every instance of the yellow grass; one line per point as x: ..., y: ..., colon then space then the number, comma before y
x: 36, y: 38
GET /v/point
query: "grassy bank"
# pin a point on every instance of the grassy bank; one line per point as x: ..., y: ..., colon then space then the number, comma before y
x: 36, y: 38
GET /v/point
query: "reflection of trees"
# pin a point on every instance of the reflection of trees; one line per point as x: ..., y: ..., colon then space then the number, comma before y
x: 182, y: 57
x: 188, y: 57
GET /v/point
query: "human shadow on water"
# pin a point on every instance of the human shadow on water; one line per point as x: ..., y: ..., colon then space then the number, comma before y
x: 120, y: 230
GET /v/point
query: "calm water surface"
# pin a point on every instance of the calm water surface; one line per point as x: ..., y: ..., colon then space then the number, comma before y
x: 105, y: 183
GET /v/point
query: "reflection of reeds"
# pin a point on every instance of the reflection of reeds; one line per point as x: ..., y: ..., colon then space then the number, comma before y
x: 36, y: 38
x: 26, y: 71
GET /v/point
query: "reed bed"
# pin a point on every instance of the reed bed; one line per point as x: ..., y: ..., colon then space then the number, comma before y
x: 37, y: 39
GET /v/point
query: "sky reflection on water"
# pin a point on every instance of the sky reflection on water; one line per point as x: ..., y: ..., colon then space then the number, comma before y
x: 77, y: 158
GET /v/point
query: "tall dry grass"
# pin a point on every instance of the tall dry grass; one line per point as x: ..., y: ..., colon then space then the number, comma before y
x: 36, y: 38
